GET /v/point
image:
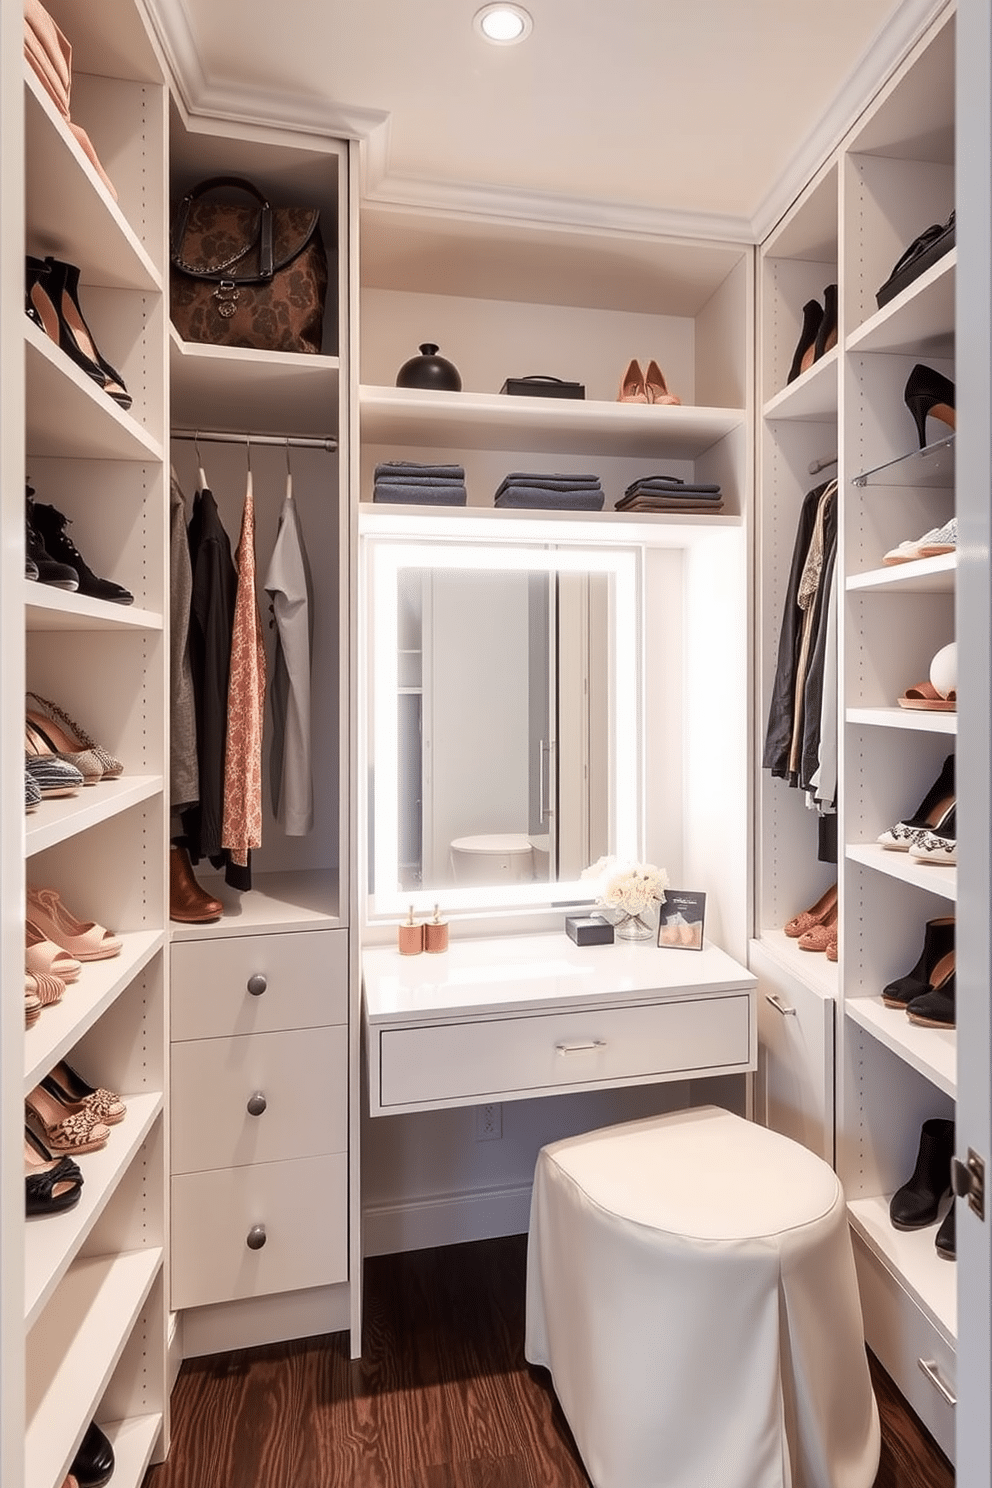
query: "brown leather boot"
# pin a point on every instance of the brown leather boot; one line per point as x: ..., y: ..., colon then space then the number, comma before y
x: 188, y: 903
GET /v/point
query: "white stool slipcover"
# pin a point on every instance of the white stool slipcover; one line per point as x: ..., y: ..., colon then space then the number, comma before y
x: 691, y: 1287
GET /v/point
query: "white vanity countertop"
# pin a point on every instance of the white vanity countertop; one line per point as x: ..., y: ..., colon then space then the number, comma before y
x: 530, y: 972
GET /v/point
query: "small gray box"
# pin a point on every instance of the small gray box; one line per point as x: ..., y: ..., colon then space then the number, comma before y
x: 589, y: 929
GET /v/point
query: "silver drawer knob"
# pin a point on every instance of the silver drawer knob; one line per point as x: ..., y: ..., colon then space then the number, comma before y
x: 256, y: 1237
x: 257, y: 984
x: 256, y: 1103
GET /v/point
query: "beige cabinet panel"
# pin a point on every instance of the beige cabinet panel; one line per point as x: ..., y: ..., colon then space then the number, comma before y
x: 257, y: 983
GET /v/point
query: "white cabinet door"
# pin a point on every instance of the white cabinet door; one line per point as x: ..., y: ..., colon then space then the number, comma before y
x: 795, y: 1083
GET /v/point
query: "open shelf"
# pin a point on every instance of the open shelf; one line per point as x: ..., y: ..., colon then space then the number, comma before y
x: 90, y: 424
x: 923, y: 576
x: 931, y: 1051
x: 72, y: 1351
x: 277, y: 902
x: 811, y: 398
x: 47, y: 608
x: 133, y: 1442
x: 56, y: 821
x: 234, y: 388
x: 905, y: 718
x: 939, y: 880
x: 543, y: 425
x: 911, y: 1256
x: 656, y: 529
x: 53, y: 1240
x: 932, y: 467
x: 919, y: 321
x: 62, y: 1024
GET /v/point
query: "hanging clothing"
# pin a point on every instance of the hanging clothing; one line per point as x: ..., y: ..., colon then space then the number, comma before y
x: 242, y: 823
x: 184, y: 774
x: 211, y: 626
x: 289, y: 586
x: 809, y: 600
x: 778, y: 735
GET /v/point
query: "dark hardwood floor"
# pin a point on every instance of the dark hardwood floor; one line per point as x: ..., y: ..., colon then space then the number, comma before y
x: 442, y: 1397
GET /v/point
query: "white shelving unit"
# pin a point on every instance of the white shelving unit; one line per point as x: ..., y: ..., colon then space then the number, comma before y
x: 87, y: 1339
x: 882, y: 186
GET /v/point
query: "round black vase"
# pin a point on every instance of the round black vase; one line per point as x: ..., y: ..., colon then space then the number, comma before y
x: 428, y: 370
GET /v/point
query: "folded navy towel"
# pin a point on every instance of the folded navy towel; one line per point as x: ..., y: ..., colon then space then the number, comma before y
x: 420, y: 495
x: 530, y: 498
x: 389, y: 468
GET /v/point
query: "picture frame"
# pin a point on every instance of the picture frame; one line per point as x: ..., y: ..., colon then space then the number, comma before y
x: 680, y: 920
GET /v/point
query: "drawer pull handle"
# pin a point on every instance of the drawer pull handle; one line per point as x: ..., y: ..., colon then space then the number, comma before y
x: 257, y: 984
x: 930, y: 1369
x: 779, y: 1005
x: 256, y: 1103
x: 256, y: 1237
x: 577, y: 1046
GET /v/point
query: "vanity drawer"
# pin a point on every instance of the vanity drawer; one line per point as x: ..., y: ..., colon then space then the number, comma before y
x: 297, y: 1083
x: 297, y: 981
x: 465, y: 1062
x: 302, y: 1208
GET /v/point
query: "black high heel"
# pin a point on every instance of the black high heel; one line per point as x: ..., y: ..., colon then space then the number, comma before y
x: 826, y: 336
x: 928, y: 392
x: 64, y: 292
x: 42, y: 305
x: 929, y: 815
x: 812, y: 316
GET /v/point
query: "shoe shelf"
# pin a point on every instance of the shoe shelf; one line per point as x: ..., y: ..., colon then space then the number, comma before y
x: 411, y: 416
x: 905, y: 718
x: 234, y: 388
x: 54, y: 1240
x: 932, y: 467
x: 923, y: 576
x: 919, y: 321
x: 133, y: 1442
x: 812, y: 397
x: 810, y: 968
x: 911, y: 1257
x: 89, y: 423
x: 938, y: 879
x: 63, y: 189
x: 47, y: 608
x: 278, y: 902
x: 72, y: 1351
x: 933, y: 1052
x: 100, y: 983
x: 56, y: 821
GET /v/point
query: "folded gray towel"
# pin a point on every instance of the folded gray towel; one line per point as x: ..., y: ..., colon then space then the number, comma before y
x: 670, y: 486
x: 540, y: 477
x: 388, y: 468
x: 530, y: 498
x: 554, y: 487
x: 420, y: 495
x: 420, y: 480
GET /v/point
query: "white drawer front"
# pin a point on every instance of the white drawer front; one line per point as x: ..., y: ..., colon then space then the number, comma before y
x: 299, y: 981
x: 901, y: 1336
x: 302, y: 1207
x: 297, y: 1084
x: 561, y: 1050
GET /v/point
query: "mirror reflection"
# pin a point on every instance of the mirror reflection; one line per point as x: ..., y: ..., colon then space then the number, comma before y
x: 504, y: 732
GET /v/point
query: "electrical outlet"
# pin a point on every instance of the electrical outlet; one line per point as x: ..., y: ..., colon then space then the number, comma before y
x: 489, y: 1122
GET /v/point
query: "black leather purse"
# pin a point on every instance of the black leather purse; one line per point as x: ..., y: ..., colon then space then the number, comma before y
x: 922, y: 252
x: 543, y: 387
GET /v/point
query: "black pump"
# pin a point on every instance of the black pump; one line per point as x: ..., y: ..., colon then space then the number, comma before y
x: 826, y: 336
x: 917, y: 1202
x: 812, y: 317
x: 929, y: 393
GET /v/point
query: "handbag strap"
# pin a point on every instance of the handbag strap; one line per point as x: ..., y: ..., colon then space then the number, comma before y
x: 262, y: 235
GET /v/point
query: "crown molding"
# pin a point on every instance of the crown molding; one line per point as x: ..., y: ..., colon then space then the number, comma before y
x: 893, y: 42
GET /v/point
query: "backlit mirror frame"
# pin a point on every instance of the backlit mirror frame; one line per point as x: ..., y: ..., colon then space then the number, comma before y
x: 384, y: 558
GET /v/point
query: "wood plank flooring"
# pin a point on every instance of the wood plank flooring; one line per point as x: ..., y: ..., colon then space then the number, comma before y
x: 442, y: 1397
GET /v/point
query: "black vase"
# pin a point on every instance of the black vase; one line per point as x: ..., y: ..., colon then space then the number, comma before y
x: 428, y: 370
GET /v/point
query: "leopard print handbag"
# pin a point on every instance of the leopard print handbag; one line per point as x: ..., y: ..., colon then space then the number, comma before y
x: 244, y: 274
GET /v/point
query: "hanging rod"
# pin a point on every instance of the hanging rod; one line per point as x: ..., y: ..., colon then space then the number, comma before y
x: 233, y: 436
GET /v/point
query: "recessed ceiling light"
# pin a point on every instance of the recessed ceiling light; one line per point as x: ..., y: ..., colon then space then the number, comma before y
x: 503, y: 24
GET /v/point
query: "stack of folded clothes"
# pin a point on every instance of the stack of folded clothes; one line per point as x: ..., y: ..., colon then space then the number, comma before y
x: 404, y: 481
x: 553, y: 492
x: 669, y: 494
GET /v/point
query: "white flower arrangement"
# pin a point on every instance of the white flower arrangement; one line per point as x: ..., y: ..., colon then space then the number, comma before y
x: 630, y: 888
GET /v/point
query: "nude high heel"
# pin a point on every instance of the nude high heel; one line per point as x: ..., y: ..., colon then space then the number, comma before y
x: 656, y: 386
x: 632, y: 389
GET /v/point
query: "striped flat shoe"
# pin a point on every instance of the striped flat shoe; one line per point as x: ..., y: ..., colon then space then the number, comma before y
x: 32, y: 795
x: 53, y: 776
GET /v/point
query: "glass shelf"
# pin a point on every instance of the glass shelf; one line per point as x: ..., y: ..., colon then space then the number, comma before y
x: 932, y: 466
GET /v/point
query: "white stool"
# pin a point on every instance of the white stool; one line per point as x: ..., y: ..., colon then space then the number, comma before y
x: 691, y: 1287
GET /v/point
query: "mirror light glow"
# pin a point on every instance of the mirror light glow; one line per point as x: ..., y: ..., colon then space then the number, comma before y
x: 387, y: 558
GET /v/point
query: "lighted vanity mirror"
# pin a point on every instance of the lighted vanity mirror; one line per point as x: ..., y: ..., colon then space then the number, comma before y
x: 504, y: 720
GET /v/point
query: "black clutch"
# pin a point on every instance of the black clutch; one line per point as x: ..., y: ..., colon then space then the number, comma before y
x: 543, y: 387
x: 919, y: 256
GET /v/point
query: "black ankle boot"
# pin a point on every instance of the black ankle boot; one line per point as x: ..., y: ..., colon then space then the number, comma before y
x: 46, y: 569
x: 51, y: 526
x: 812, y: 316
x: 916, y: 1203
x: 945, y: 1240
x: 938, y: 939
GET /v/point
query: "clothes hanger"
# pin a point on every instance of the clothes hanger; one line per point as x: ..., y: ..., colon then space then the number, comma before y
x: 202, y: 484
x: 289, y: 474
x: 248, y: 483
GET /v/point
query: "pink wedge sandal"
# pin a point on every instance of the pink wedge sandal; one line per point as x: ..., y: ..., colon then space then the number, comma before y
x: 84, y: 939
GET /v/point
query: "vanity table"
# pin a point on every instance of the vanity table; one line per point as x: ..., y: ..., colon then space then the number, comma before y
x: 532, y: 1015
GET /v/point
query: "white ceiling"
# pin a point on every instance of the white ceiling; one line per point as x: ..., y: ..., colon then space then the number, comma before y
x: 640, y: 112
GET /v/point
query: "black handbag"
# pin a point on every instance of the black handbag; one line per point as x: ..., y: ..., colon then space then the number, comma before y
x: 247, y: 275
x: 922, y: 252
x: 543, y: 387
